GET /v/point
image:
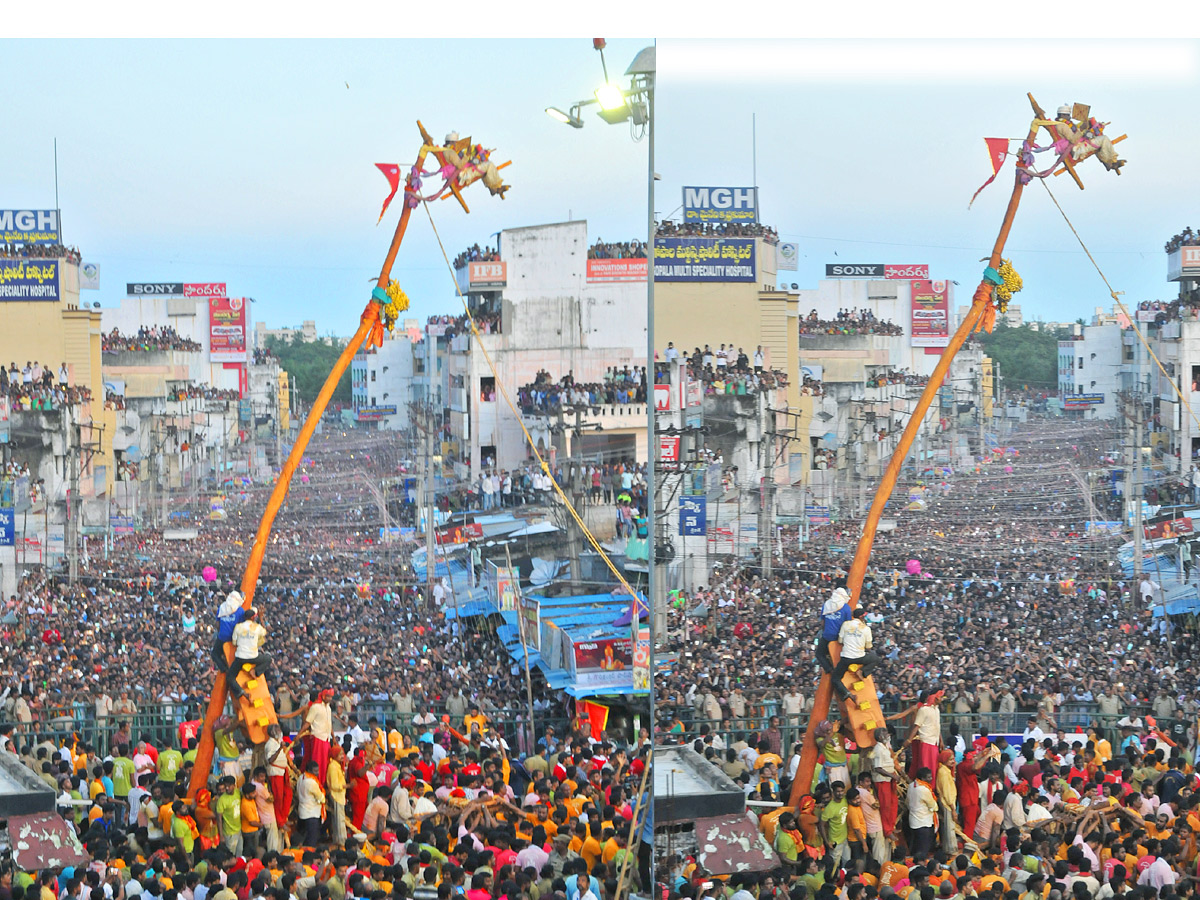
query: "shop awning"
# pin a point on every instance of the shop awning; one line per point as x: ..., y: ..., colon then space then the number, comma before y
x: 732, y: 844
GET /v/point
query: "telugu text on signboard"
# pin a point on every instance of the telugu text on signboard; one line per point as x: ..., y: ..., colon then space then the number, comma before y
x: 29, y: 226
x: 28, y: 279
x: 704, y: 259
x: 227, y: 329
x: 720, y: 204
x: 930, y: 314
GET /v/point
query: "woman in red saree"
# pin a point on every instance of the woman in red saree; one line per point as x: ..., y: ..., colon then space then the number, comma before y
x: 359, y: 790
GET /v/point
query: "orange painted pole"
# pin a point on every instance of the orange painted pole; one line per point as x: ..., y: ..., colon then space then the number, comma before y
x: 862, y: 555
x: 368, y: 324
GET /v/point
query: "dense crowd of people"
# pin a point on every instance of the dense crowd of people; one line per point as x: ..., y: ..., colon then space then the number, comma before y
x: 618, y: 250
x: 196, y: 391
x: 1185, y: 238
x: 40, y: 251
x: 849, y: 321
x: 618, y: 385
x: 712, y: 230
x: 404, y: 765
x: 156, y: 337
x: 263, y: 355
x: 988, y: 614
x: 485, y: 322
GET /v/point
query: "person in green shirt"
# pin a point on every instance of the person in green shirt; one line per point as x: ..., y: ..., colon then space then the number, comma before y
x: 123, y: 773
x: 170, y: 761
x: 181, y: 829
x: 811, y: 875
x: 788, y: 843
x: 190, y: 755
x: 228, y: 808
x: 832, y: 825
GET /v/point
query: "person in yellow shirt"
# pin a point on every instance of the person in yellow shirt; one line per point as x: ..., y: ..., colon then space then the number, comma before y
x: 475, y: 717
x: 335, y: 785
x: 589, y: 847
x: 608, y: 846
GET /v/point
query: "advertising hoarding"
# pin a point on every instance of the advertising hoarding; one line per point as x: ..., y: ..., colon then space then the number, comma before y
x: 226, y: 328
x: 1082, y: 401
x: 487, y: 274
x: 930, y: 314
x: 616, y: 270
x: 29, y: 226
x: 1183, y: 262
x: 720, y: 204
x: 29, y: 279
x: 373, y: 413
x: 693, y: 516
x: 704, y: 260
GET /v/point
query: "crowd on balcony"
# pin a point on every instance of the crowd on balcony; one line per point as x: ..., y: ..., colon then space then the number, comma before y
x: 668, y: 228
x: 620, y: 250
x: 849, y: 321
x: 1185, y: 238
x: 897, y: 376
x: 485, y: 322
x: 475, y: 254
x: 39, y: 251
x: 204, y: 392
x: 155, y: 338
x: 726, y: 370
x: 812, y: 387
x: 34, y: 386
x: 262, y: 356
x: 618, y: 386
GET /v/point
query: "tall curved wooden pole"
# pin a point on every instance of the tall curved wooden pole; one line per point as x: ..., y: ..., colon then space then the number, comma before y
x: 368, y: 323
x: 862, y: 555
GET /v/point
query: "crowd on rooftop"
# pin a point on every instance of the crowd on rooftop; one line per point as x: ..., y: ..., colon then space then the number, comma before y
x: 39, y: 251
x: 849, y: 321
x: 1185, y: 238
x: 620, y: 250
x: 669, y: 228
x: 153, y: 338
x: 476, y: 254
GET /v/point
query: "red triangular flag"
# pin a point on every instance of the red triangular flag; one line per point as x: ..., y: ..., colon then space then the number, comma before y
x: 391, y: 171
x: 997, y: 151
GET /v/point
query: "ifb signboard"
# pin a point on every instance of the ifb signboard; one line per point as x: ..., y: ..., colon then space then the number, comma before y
x: 693, y: 518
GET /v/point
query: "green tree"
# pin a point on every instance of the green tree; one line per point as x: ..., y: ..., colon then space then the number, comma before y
x: 310, y: 365
x: 1025, y: 356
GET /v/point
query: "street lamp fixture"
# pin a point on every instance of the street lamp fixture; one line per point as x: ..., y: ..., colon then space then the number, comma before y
x: 571, y: 118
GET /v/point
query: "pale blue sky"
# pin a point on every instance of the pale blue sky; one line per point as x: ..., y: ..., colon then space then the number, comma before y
x: 251, y: 162
x: 873, y: 150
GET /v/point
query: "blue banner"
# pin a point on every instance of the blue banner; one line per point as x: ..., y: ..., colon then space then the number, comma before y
x: 29, y: 226
x: 704, y: 259
x: 720, y: 204
x: 8, y: 527
x: 29, y: 279
x: 693, y: 516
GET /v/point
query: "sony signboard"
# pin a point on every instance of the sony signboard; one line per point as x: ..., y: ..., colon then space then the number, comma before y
x: 877, y: 271
x: 720, y: 204
x: 154, y: 289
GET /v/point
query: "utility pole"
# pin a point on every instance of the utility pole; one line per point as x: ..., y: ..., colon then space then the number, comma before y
x: 428, y: 496
x: 979, y: 413
x: 1137, y: 493
x: 766, y: 513
x: 73, y: 508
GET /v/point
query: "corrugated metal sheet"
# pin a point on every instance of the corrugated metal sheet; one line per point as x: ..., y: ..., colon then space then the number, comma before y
x: 44, y: 841
x: 731, y: 844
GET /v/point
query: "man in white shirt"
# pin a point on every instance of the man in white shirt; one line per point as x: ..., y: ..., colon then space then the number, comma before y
x: 1159, y: 872
x: 1032, y: 731
x: 248, y: 638
x: 670, y: 354
x: 855, y: 638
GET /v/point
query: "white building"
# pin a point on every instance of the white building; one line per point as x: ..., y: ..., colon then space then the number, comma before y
x: 1089, y: 372
x: 382, y: 383
x: 538, y: 310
